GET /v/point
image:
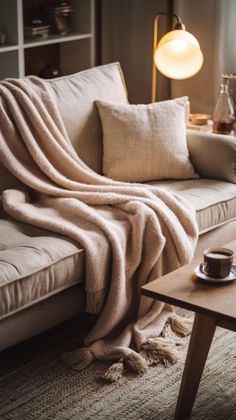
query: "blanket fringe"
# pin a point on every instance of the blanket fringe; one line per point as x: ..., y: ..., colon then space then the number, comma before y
x: 136, y: 362
x: 160, y: 349
x: 133, y: 360
x: 78, y: 359
x: 155, y: 350
x: 151, y: 357
x: 181, y: 326
x: 167, y: 332
x: 114, y: 372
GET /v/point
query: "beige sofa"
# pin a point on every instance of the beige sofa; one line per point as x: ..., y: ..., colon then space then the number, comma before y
x: 42, y: 274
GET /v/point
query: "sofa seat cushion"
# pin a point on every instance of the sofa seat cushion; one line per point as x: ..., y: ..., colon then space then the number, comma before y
x: 34, y: 264
x: 213, y: 200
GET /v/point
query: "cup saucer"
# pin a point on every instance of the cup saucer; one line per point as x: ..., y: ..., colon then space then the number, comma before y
x: 202, y: 276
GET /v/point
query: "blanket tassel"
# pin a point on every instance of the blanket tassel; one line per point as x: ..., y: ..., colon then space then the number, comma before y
x: 160, y: 349
x: 78, y: 359
x: 136, y: 362
x: 181, y: 326
x: 114, y: 372
x: 133, y: 360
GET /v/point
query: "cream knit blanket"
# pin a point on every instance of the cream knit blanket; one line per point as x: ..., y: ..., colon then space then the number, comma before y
x: 131, y: 233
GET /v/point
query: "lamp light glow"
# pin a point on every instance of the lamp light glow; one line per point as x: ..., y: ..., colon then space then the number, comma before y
x: 178, y: 45
x: 177, y: 55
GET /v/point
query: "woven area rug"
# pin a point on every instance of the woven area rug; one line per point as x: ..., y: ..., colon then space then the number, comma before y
x: 48, y: 389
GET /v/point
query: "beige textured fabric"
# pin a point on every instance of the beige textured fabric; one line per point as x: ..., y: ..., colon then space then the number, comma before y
x: 64, y: 305
x: 131, y: 233
x: 213, y: 156
x: 24, y: 249
x: 75, y: 96
x: 46, y: 314
x: 145, y: 142
x: 213, y: 200
x: 36, y: 264
x: 7, y: 180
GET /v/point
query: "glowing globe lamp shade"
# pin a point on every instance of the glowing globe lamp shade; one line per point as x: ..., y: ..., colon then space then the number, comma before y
x: 178, y: 55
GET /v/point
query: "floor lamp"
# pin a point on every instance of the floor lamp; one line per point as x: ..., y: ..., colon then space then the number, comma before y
x: 177, y: 55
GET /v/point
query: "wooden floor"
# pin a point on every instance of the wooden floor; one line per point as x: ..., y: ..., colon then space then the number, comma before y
x: 61, y: 337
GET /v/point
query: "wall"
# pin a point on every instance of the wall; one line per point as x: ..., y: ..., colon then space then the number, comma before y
x: 214, y: 25
x: 127, y: 32
x: 202, y: 22
x: 127, y: 36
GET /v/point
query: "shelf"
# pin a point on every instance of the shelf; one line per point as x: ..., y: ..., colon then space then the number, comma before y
x: 73, y: 52
x: 54, y: 39
x: 9, y: 24
x: 9, y: 65
x: 7, y: 48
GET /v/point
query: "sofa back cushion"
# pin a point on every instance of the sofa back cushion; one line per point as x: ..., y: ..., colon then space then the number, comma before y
x: 75, y: 96
x: 145, y: 142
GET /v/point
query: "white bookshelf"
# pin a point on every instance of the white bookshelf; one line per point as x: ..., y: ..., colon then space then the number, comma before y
x: 75, y: 51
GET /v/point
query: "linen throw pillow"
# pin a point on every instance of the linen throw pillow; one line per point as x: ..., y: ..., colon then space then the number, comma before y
x: 145, y: 142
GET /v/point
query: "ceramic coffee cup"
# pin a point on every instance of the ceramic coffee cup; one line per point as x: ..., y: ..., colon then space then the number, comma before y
x: 217, y: 262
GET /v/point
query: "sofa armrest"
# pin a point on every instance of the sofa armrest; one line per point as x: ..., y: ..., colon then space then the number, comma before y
x: 213, y: 155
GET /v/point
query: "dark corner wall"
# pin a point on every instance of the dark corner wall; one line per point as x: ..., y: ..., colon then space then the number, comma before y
x: 125, y: 34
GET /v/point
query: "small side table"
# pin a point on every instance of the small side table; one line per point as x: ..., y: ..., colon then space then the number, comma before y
x: 213, y: 306
x: 207, y: 128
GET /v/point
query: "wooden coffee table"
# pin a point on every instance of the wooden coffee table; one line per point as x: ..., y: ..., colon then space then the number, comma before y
x: 214, y: 305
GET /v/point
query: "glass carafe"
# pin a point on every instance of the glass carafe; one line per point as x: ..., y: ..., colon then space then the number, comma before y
x: 223, y: 115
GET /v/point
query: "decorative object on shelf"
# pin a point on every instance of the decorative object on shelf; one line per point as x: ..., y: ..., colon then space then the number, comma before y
x: 59, y: 17
x: 3, y: 37
x: 177, y: 55
x: 27, y: 54
x: 199, y: 119
x: 223, y: 115
x: 200, y: 122
x: 36, y: 30
x: 205, y: 127
x: 50, y: 71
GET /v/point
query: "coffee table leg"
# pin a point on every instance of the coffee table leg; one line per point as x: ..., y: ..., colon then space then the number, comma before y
x: 200, y: 342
